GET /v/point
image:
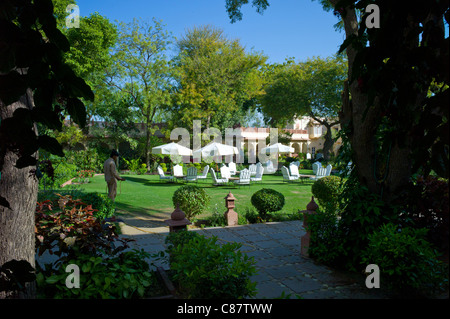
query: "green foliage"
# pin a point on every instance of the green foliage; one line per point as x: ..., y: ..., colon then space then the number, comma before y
x: 202, y: 268
x: 267, y: 200
x: 56, y: 90
x: 193, y: 200
x: 218, y: 80
x: 326, y: 245
x: 408, y: 262
x: 67, y: 227
x: 327, y: 191
x: 362, y: 213
x: 103, y: 205
x: 55, y: 172
x: 136, y: 165
x: 126, y: 276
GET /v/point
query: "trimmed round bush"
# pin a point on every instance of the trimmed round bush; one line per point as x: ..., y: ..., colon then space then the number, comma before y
x: 192, y: 200
x: 267, y: 200
x: 327, y: 191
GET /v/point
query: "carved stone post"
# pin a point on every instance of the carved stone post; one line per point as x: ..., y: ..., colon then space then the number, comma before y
x: 230, y: 215
x: 178, y: 220
x: 310, y: 209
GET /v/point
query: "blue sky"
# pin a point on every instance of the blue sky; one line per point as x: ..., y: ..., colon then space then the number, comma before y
x: 288, y: 28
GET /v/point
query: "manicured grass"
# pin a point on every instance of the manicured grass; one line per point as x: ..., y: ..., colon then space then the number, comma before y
x: 146, y: 195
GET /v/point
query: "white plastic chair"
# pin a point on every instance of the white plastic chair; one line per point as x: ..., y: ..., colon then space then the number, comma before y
x: 286, y: 176
x: 269, y: 168
x: 259, y: 174
x: 232, y: 168
x: 191, y: 175
x: 293, y: 170
x: 204, y: 174
x: 162, y: 176
x: 178, y: 171
x: 225, y: 172
x: 217, y: 181
x: 252, y: 169
x: 244, y: 178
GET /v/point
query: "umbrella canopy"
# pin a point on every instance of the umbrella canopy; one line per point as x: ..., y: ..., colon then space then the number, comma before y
x: 216, y: 149
x: 278, y: 148
x: 172, y: 149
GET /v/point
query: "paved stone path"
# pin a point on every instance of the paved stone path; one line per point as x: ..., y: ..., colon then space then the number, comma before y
x: 282, y: 271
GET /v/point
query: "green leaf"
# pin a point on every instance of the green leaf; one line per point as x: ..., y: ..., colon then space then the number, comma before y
x: 50, y: 144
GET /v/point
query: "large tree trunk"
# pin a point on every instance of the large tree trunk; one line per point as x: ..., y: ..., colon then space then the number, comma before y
x: 18, y: 188
x: 364, y: 120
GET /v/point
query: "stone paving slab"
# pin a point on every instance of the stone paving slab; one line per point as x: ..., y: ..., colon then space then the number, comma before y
x: 282, y: 270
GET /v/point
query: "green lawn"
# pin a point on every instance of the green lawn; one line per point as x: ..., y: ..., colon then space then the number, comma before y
x: 146, y: 195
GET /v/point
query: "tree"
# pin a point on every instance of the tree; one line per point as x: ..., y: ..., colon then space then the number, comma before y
x: 395, y: 127
x: 217, y: 79
x: 313, y: 87
x: 36, y: 86
x: 141, y: 70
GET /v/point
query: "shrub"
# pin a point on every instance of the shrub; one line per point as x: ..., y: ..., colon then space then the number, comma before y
x: 327, y: 191
x: 428, y: 207
x: 204, y: 269
x: 326, y: 242
x: 124, y: 276
x: 103, y: 205
x: 192, y: 200
x: 68, y: 227
x: 408, y: 263
x: 267, y: 200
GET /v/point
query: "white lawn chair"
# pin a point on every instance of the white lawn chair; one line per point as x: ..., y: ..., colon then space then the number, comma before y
x: 204, y: 174
x: 293, y: 170
x: 178, y: 171
x: 217, y: 181
x: 232, y: 168
x: 191, y: 175
x: 315, y: 166
x: 328, y: 170
x: 259, y: 174
x: 286, y: 176
x: 244, y: 178
x: 225, y: 172
x: 321, y: 172
x: 296, y: 163
x: 162, y: 176
x: 269, y: 168
x: 252, y: 169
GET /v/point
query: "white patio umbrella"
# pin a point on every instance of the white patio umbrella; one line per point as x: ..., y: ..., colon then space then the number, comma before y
x: 216, y: 149
x: 277, y: 148
x: 172, y: 149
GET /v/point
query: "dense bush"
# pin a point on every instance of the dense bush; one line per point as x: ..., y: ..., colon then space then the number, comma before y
x: 326, y: 242
x: 55, y: 173
x: 327, y: 191
x: 192, y: 200
x: 103, y: 205
x: 408, y: 263
x: 267, y: 200
x: 428, y: 207
x: 204, y: 269
x: 124, y: 276
x: 67, y: 227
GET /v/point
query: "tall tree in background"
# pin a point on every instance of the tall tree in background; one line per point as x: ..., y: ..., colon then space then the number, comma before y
x: 36, y: 86
x: 217, y: 79
x: 313, y: 88
x: 395, y: 106
x: 141, y: 71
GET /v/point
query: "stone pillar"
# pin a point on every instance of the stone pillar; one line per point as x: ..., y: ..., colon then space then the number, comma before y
x: 177, y: 220
x: 230, y: 215
x: 310, y: 209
